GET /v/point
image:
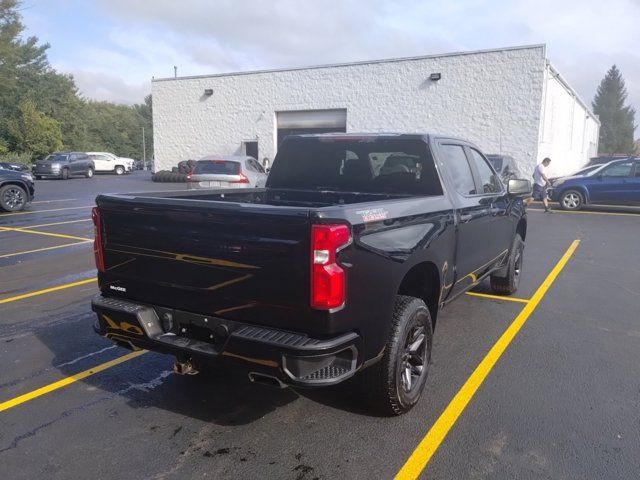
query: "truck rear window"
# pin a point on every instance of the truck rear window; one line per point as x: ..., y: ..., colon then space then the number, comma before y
x: 365, y: 164
x: 219, y: 167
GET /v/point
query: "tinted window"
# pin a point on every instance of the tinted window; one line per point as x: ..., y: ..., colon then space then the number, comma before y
x: 459, y: 169
x: 257, y: 166
x: 99, y: 157
x: 56, y: 158
x: 249, y: 166
x: 496, y: 162
x: 220, y: 167
x: 637, y: 169
x: 618, y: 170
x: 488, y: 179
x: 363, y: 164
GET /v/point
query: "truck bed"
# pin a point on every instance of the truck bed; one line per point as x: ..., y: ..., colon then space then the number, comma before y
x: 236, y: 254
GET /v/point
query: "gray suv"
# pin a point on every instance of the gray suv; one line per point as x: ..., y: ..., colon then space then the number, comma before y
x: 64, y: 165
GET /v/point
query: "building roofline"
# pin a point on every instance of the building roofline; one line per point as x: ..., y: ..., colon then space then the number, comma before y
x: 570, y: 89
x: 364, y: 62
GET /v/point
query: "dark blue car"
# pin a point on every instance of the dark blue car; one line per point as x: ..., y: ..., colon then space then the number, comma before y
x: 616, y: 183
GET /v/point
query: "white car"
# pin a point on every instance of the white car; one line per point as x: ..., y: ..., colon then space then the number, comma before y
x: 108, y: 162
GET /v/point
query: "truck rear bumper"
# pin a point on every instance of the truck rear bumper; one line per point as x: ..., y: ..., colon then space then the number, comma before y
x: 293, y: 358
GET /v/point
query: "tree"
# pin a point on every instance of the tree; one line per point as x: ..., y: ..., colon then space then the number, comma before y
x: 35, y: 133
x: 40, y: 106
x: 20, y: 62
x: 145, y: 110
x: 617, y: 120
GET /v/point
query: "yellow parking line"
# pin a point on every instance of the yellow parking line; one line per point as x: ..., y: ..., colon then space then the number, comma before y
x: 48, y: 234
x: 55, y: 247
x: 418, y: 460
x: 68, y: 381
x: 44, y: 211
x: 54, y: 223
x: 47, y: 290
x: 498, y: 297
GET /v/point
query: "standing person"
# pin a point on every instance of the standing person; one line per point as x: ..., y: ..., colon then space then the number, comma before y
x: 540, y: 182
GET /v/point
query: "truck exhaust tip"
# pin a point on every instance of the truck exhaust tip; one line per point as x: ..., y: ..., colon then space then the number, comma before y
x: 185, y: 368
x: 268, y: 380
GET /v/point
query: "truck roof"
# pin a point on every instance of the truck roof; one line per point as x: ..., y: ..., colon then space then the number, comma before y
x: 356, y: 135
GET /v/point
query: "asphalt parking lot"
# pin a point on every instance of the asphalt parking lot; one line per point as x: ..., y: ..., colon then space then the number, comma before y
x: 544, y: 385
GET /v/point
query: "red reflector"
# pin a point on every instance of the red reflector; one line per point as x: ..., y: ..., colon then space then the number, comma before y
x: 97, y: 242
x: 327, y: 277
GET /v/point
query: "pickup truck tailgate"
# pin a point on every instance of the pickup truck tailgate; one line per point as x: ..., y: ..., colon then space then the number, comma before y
x: 230, y: 260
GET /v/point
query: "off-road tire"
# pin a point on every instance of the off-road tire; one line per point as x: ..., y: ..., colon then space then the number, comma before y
x: 119, y: 170
x: 508, y: 285
x: 89, y: 173
x: 382, y: 382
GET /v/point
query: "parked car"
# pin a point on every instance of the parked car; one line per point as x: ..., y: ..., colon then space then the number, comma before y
x: 602, y: 159
x: 18, y: 167
x: 580, y: 173
x: 16, y: 190
x: 64, y: 165
x: 108, y: 162
x: 615, y: 183
x: 505, y: 165
x: 139, y: 165
x: 334, y: 269
x: 227, y: 171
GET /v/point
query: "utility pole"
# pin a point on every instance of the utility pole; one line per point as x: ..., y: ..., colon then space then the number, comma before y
x: 144, y: 151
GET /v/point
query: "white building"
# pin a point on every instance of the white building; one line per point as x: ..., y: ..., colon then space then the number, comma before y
x: 508, y: 101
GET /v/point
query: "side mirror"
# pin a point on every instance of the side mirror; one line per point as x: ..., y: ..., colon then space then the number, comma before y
x: 519, y: 187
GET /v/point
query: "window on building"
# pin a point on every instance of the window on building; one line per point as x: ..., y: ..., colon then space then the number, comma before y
x: 488, y: 180
x: 459, y: 169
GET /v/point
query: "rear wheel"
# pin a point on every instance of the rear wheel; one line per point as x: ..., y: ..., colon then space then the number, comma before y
x: 509, y: 284
x: 13, y: 198
x: 571, y: 200
x: 65, y: 174
x: 394, y: 384
x: 89, y: 173
x: 119, y: 170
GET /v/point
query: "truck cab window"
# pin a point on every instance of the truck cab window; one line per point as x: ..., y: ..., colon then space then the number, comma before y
x: 488, y: 180
x: 459, y: 169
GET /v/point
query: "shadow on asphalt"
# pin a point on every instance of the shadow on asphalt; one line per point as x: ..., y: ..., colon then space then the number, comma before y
x: 220, y: 394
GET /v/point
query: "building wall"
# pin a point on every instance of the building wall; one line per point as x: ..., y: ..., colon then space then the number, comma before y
x: 492, y: 98
x: 568, y: 131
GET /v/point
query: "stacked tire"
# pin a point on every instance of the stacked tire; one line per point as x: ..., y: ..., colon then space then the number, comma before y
x: 165, y: 176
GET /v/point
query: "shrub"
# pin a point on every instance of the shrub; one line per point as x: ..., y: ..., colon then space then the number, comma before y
x: 14, y: 157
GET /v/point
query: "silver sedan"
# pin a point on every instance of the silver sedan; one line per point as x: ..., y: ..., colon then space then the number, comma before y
x: 227, y: 171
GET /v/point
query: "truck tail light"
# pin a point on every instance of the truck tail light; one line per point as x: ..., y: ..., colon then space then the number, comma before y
x: 327, y: 277
x: 97, y: 242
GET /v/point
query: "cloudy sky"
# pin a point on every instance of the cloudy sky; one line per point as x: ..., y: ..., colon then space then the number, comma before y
x: 114, y: 47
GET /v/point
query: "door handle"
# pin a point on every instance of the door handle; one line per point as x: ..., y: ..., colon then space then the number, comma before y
x: 465, y: 217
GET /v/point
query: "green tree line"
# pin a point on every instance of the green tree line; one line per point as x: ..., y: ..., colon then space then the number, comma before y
x: 41, y: 110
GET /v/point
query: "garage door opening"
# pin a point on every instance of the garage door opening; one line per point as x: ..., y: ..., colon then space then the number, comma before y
x: 310, y: 121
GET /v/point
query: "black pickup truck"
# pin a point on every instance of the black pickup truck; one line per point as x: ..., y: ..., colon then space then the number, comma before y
x: 338, y: 267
